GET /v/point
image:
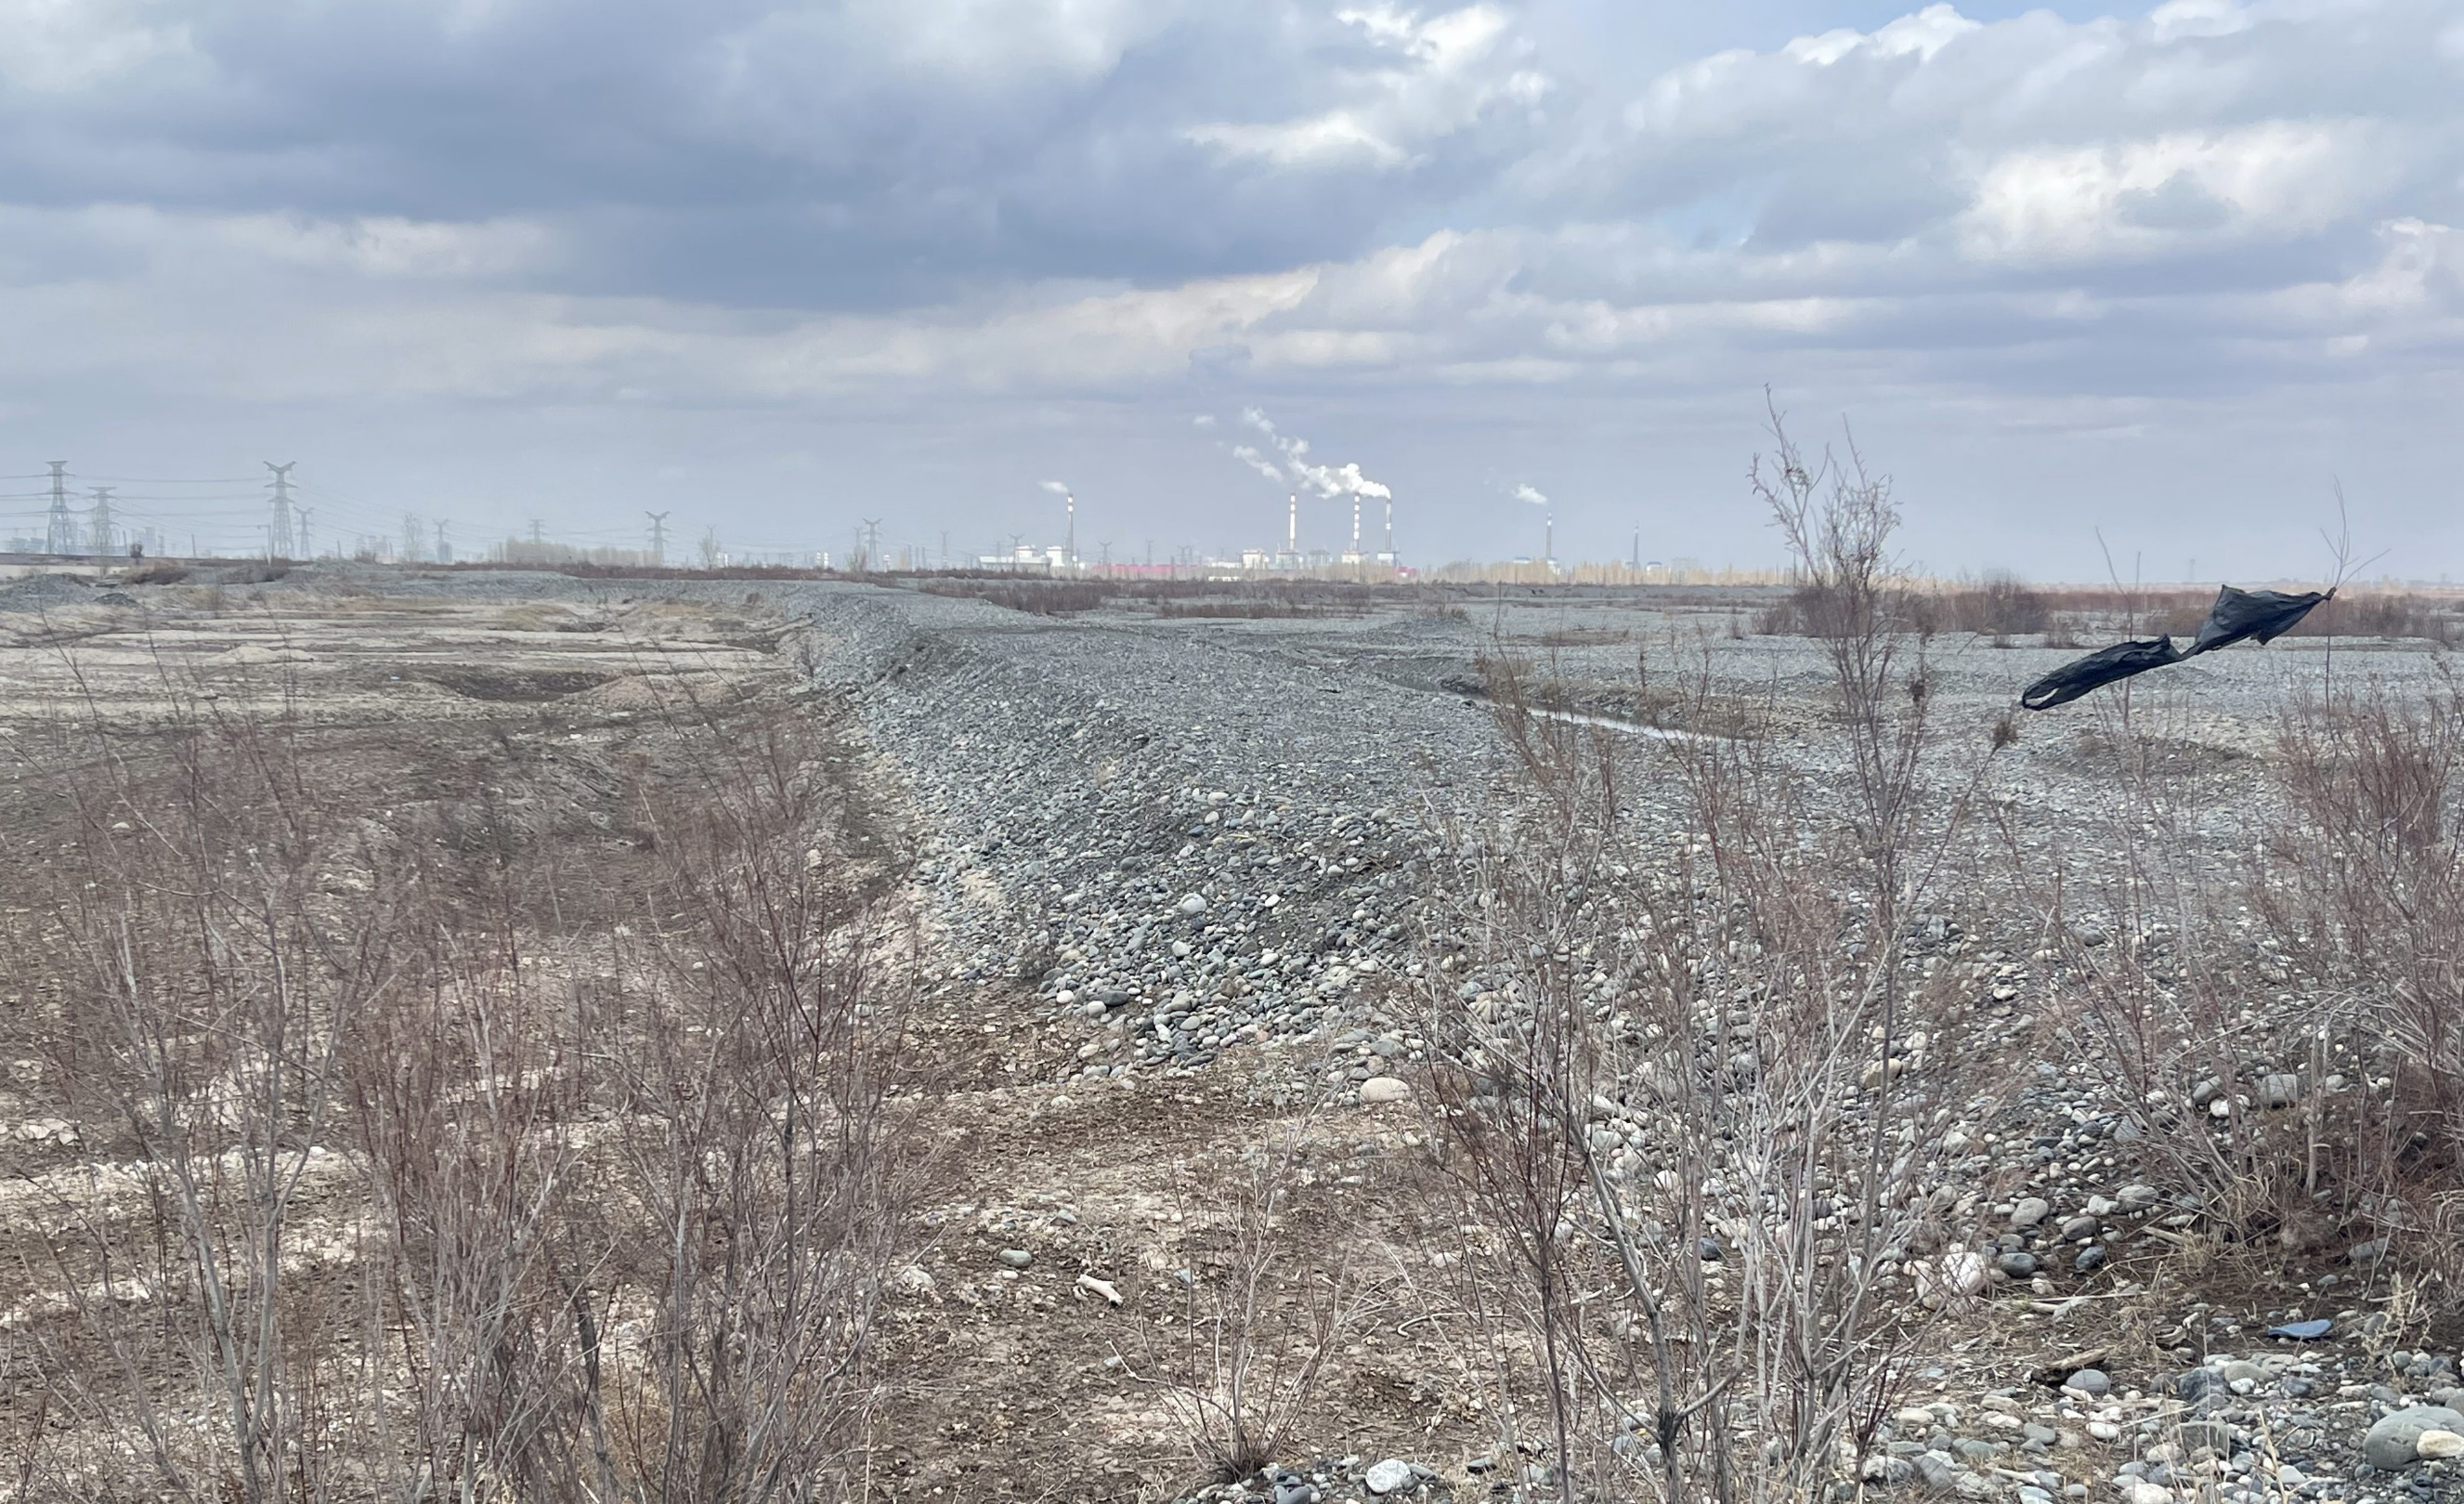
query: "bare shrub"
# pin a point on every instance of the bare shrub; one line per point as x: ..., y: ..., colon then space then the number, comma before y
x: 2297, y: 1079
x: 761, y: 1138
x: 2364, y: 885
x: 1700, y: 1093
x: 195, y: 1003
x: 2000, y: 607
x: 1260, y: 1312
x: 423, y: 1199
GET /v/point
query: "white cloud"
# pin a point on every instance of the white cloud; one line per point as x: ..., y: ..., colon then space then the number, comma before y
x: 1442, y: 75
x: 60, y: 46
x: 2176, y: 19
x: 2280, y: 178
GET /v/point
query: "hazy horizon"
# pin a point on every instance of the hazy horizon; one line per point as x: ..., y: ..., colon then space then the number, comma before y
x: 2168, y: 275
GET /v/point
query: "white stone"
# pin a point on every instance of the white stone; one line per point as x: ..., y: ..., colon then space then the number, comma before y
x: 1378, y: 1090
x: 1385, y: 1477
x: 2438, y: 1444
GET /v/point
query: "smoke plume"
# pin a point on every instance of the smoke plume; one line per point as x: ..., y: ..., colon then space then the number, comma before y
x: 1325, y: 480
x: 1057, y: 488
x: 1530, y: 494
x: 1248, y: 456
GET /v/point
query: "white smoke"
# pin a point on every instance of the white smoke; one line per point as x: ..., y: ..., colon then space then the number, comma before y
x: 1325, y: 481
x: 1204, y: 420
x: 1057, y: 488
x: 1530, y: 494
x: 1349, y: 477
x: 1248, y: 456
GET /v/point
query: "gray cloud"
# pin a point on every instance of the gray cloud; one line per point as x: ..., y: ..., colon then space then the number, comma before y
x: 1395, y: 227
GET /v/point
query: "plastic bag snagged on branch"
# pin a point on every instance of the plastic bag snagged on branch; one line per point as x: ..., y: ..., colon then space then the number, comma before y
x: 2237, y: 614
x: 2263, y: 614
x: 2096, y: 670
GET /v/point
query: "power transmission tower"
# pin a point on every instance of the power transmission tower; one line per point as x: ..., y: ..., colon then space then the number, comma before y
x: 278, y: 541
x: 98, y: 523
x: 409, y: 538
x: 444, y: 550
x: 659, y: 536
x: 710, y: 548
x: 871, y: 544
x: 535, y: 531
x: 60, y: 537
x: 307, y: 549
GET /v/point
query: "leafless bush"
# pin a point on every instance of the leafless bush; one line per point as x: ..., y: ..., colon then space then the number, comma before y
x: 2364, y: 886
x: 2001, y: 607
x: 1699, y: 1092
x: 1260, y: 1312
x: 760, y: 1137
x: 424, y: 1201
x: 2297, y: 1076
x: 193, y: 1010
x: 2145, y: 984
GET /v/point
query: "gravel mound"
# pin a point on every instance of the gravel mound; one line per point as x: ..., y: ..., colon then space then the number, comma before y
x: 1197, y: 836
x: 43, y: 592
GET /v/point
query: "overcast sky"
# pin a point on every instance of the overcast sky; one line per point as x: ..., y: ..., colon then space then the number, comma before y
x: 2168, y: 274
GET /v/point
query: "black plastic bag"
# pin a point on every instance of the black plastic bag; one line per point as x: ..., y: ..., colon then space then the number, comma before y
x: 2263, y: 614
x: 2096, y: 670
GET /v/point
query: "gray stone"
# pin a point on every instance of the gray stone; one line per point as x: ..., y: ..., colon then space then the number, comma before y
x: 2031, y: 1210
x: 2019, y: 1265
x: 2392, y: 1445
x: 1191, y: 906
x: 1017, y: 1258
x: 2091, y: 1258
x: 2090, y: 1382
x: 2283, y: 1088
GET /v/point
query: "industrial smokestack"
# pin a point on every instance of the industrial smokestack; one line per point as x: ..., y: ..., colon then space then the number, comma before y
x: 1548, y: 544
x: 1355, y: 524
x: 1069, y: 539
x: 1390, y: 529
x: 1292, y: 527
